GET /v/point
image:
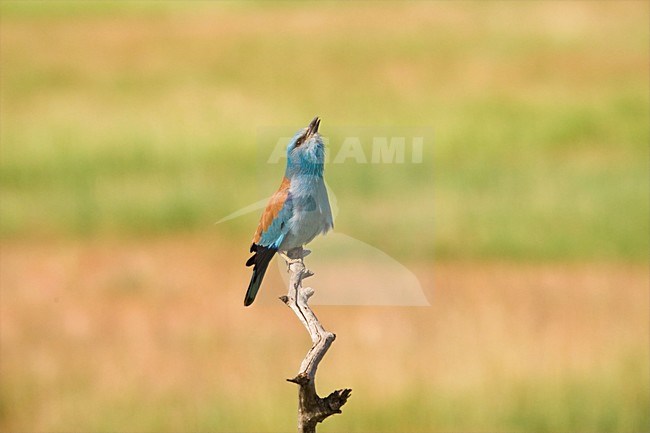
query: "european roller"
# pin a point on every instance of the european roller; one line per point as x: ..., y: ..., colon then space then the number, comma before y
x: 298, y: 211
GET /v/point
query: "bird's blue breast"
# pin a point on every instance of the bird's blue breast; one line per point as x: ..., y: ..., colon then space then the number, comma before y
x: 311, y: 214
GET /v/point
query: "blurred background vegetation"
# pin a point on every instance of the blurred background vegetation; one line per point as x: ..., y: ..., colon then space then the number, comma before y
x: 128, y: 128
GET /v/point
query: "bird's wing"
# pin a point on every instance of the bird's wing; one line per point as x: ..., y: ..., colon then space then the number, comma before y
x: 273, y: 225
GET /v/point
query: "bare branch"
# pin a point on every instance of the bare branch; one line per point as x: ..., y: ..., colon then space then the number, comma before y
x: 312, y: 409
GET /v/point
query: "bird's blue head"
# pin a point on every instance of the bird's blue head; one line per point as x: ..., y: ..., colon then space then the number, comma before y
x: 306, y: 151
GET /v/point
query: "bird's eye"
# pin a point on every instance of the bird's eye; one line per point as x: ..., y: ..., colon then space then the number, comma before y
x: 300, y: 141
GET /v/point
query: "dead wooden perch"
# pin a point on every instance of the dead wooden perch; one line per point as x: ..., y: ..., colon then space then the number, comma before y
x: 312, y: 409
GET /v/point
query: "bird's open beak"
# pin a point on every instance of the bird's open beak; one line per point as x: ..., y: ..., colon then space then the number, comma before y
x: 313, y: 126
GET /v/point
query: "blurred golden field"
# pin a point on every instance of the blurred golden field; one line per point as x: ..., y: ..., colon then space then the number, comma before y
x: 135, y: 336
x: 128, y: 128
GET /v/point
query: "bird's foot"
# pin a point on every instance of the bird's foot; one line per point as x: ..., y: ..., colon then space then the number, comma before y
x: 294, y: 255
x: 288, y: 257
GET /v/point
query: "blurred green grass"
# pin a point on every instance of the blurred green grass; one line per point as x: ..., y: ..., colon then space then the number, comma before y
x: 141, y: 118
x: 537, y: 406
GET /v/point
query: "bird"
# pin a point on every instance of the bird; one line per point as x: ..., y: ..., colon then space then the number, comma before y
x: 298, y: 211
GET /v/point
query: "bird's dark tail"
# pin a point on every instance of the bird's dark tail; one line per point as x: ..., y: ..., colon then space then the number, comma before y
x: 260, y: 261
